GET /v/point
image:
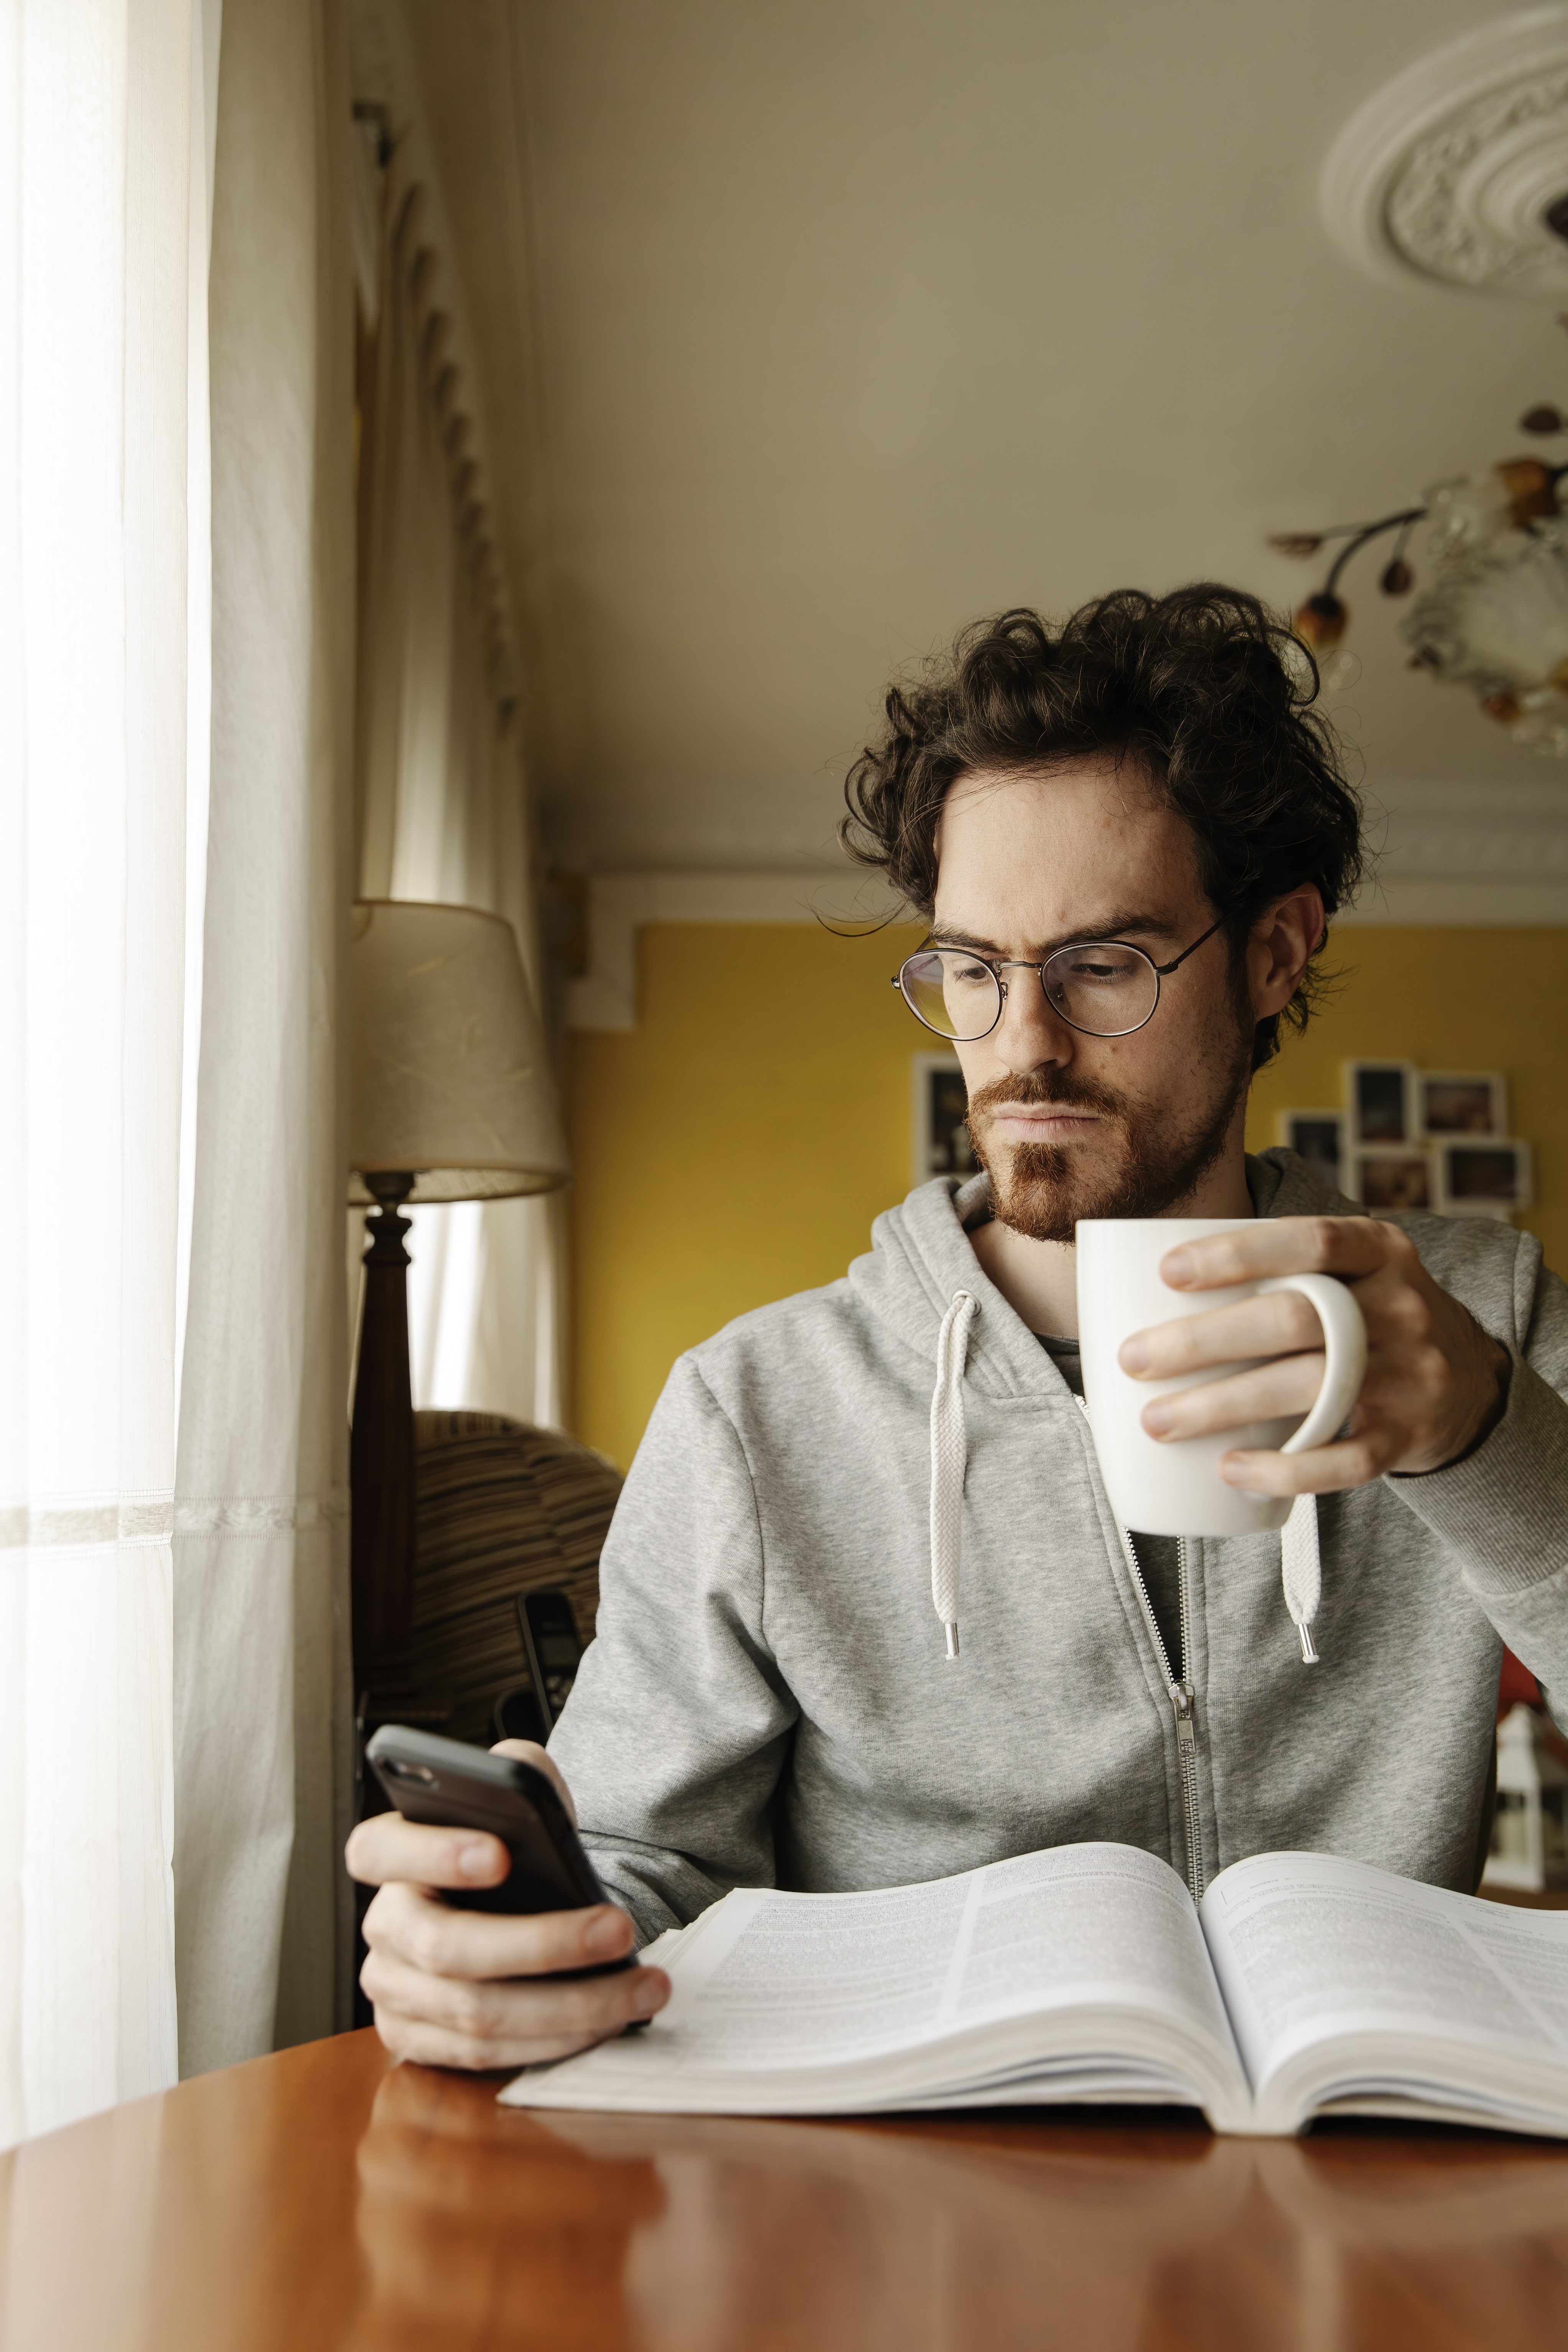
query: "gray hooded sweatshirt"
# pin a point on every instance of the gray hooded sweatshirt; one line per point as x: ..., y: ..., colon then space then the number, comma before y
x: 769, y: 1700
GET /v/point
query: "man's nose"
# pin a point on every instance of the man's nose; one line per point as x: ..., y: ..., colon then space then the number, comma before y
x: 1031, y: 1035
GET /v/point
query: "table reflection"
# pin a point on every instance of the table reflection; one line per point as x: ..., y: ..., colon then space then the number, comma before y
x: 480, y: 2229
x: 891, y: 2235
x: 487, y: 2228
x: 1462, y: 2240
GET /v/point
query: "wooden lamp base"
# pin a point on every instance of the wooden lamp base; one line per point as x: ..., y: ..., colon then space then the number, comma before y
x: 381, y: 1464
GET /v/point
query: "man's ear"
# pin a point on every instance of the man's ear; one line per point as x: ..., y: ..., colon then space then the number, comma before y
x: 1282, y: 943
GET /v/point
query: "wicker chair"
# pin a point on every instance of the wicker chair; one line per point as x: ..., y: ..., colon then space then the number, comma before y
x: 502, y: 1508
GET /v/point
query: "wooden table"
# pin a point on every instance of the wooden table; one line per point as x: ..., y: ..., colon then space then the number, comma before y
x: 323, y: 2199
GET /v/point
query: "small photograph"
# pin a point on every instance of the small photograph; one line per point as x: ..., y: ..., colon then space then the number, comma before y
x: 1483, y: 1180
x: 1380, y: 1097
x: 1388, y: 1181
x: 940, y: 1108
x: 1320, y: 1137
x: 1461, y: 1102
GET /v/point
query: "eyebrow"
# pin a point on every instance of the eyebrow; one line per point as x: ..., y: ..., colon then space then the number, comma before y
x: 1120, y: 925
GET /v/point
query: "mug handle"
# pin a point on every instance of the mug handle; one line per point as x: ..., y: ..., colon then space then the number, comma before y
x: 1344, y: 1346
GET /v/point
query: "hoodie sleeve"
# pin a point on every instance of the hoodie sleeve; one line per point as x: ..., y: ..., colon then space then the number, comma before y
x: 678, y: 1724
x: 1504, y: 1509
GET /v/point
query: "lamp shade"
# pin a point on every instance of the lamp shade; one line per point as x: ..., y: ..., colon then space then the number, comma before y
x: 449, y: 1078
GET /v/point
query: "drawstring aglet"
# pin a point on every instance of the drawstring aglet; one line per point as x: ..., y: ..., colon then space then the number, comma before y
x: 1302, y: 1571
x: 951, y: 1632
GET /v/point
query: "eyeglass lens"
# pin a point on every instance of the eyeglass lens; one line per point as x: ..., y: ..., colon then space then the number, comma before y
x: 1100, y: 987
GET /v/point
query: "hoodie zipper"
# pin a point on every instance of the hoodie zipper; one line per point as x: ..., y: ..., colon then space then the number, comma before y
x: 1183, y: 1704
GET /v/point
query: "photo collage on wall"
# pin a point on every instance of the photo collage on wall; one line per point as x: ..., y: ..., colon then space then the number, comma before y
x: 1413, y: 1139
x: 1406, y: 1138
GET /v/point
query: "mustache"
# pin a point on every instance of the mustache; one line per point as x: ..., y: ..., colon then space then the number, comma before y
x: 1042, y: 1088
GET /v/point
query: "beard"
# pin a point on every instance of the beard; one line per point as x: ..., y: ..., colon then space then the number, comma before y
x: 1160, y: 1154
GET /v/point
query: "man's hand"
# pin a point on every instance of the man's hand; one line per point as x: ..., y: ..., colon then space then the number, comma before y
x: 1435, y: 1382
x: 455, y: 1988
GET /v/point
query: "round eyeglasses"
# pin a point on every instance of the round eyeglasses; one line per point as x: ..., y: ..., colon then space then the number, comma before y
x: 1103, y: 988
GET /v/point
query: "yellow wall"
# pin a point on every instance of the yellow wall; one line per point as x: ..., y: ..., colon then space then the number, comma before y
x: 738, y: 1143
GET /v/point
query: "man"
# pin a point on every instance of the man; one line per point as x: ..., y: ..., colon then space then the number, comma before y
x: 770, y: 1697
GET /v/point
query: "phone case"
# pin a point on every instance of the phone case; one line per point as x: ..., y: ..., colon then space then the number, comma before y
x: 449, y: 1784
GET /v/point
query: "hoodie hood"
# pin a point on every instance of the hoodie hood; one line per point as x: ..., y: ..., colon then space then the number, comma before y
x: 920, y: 1255
x: 923, y: 1280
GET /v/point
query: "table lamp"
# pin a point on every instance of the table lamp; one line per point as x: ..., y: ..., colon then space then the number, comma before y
x: 450, y: 1099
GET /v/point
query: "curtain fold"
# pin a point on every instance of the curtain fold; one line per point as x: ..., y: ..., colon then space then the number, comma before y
x: 442, y: 802
x: 262, y: 1705
x: 177, y: 858
x: 102, y: 788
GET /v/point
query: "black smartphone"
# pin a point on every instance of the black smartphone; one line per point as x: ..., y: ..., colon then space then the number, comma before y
x: 452, y: 1786
x: 554, y: 1653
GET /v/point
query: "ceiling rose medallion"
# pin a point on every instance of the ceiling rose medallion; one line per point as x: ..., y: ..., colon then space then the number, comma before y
x: 1458, y: 170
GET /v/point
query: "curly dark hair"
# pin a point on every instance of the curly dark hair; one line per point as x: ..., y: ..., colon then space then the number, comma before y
x: 1204, y: 688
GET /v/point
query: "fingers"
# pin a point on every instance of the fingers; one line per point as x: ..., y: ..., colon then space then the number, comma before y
x: 1349, y: 1461
x: 1435, y: 1382
x: 453, y: 1986
x: 1277, y: 1324
x: 1272, y: 1391
x: 1348, y: 1246
x: 386, y: 1847
x: 442, y: 2023
x: 411, y: 1926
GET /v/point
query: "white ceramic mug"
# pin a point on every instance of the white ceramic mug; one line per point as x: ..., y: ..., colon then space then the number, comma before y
x: 1172, y: 1487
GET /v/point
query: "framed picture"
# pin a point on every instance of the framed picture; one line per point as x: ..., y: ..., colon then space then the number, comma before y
x: 1320, y: 1137
x: 1488, y: 1178
x: 1391, y: 1180
x: 941, y: 1107
x: 1460, y: 1102
x: 1380, y: 1098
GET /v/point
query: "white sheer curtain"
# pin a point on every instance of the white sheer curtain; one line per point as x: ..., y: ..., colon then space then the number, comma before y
x: 103, y: 225
x: 177, y: 857
x: 261, y: 1675
x: 443, y: 802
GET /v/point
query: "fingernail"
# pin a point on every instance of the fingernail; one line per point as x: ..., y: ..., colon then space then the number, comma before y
x: 477, y: 1860
x: 1157, y: 1420
x: 1134, y: 1356
x: 606, y: 1934
x: 1175, y: 1268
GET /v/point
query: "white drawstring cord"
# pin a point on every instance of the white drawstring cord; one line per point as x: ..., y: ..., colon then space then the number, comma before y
x: 949, y: 1460
x: 1302, y: 1571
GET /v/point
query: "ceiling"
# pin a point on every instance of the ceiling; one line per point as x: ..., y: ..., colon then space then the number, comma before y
x: 807, y: 333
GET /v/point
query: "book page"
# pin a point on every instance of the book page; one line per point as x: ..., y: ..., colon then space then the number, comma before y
x: 1306, y: 1946
x: 768, y: 1980
x: 772, y: 1980
x: 1086, y: 1923
x: 1529, y: 1948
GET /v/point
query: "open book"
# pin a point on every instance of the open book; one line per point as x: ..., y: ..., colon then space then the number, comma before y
x: 1304, y: 1986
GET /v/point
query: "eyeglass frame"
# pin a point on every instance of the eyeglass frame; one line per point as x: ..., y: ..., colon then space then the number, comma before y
x: 997, y: 965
